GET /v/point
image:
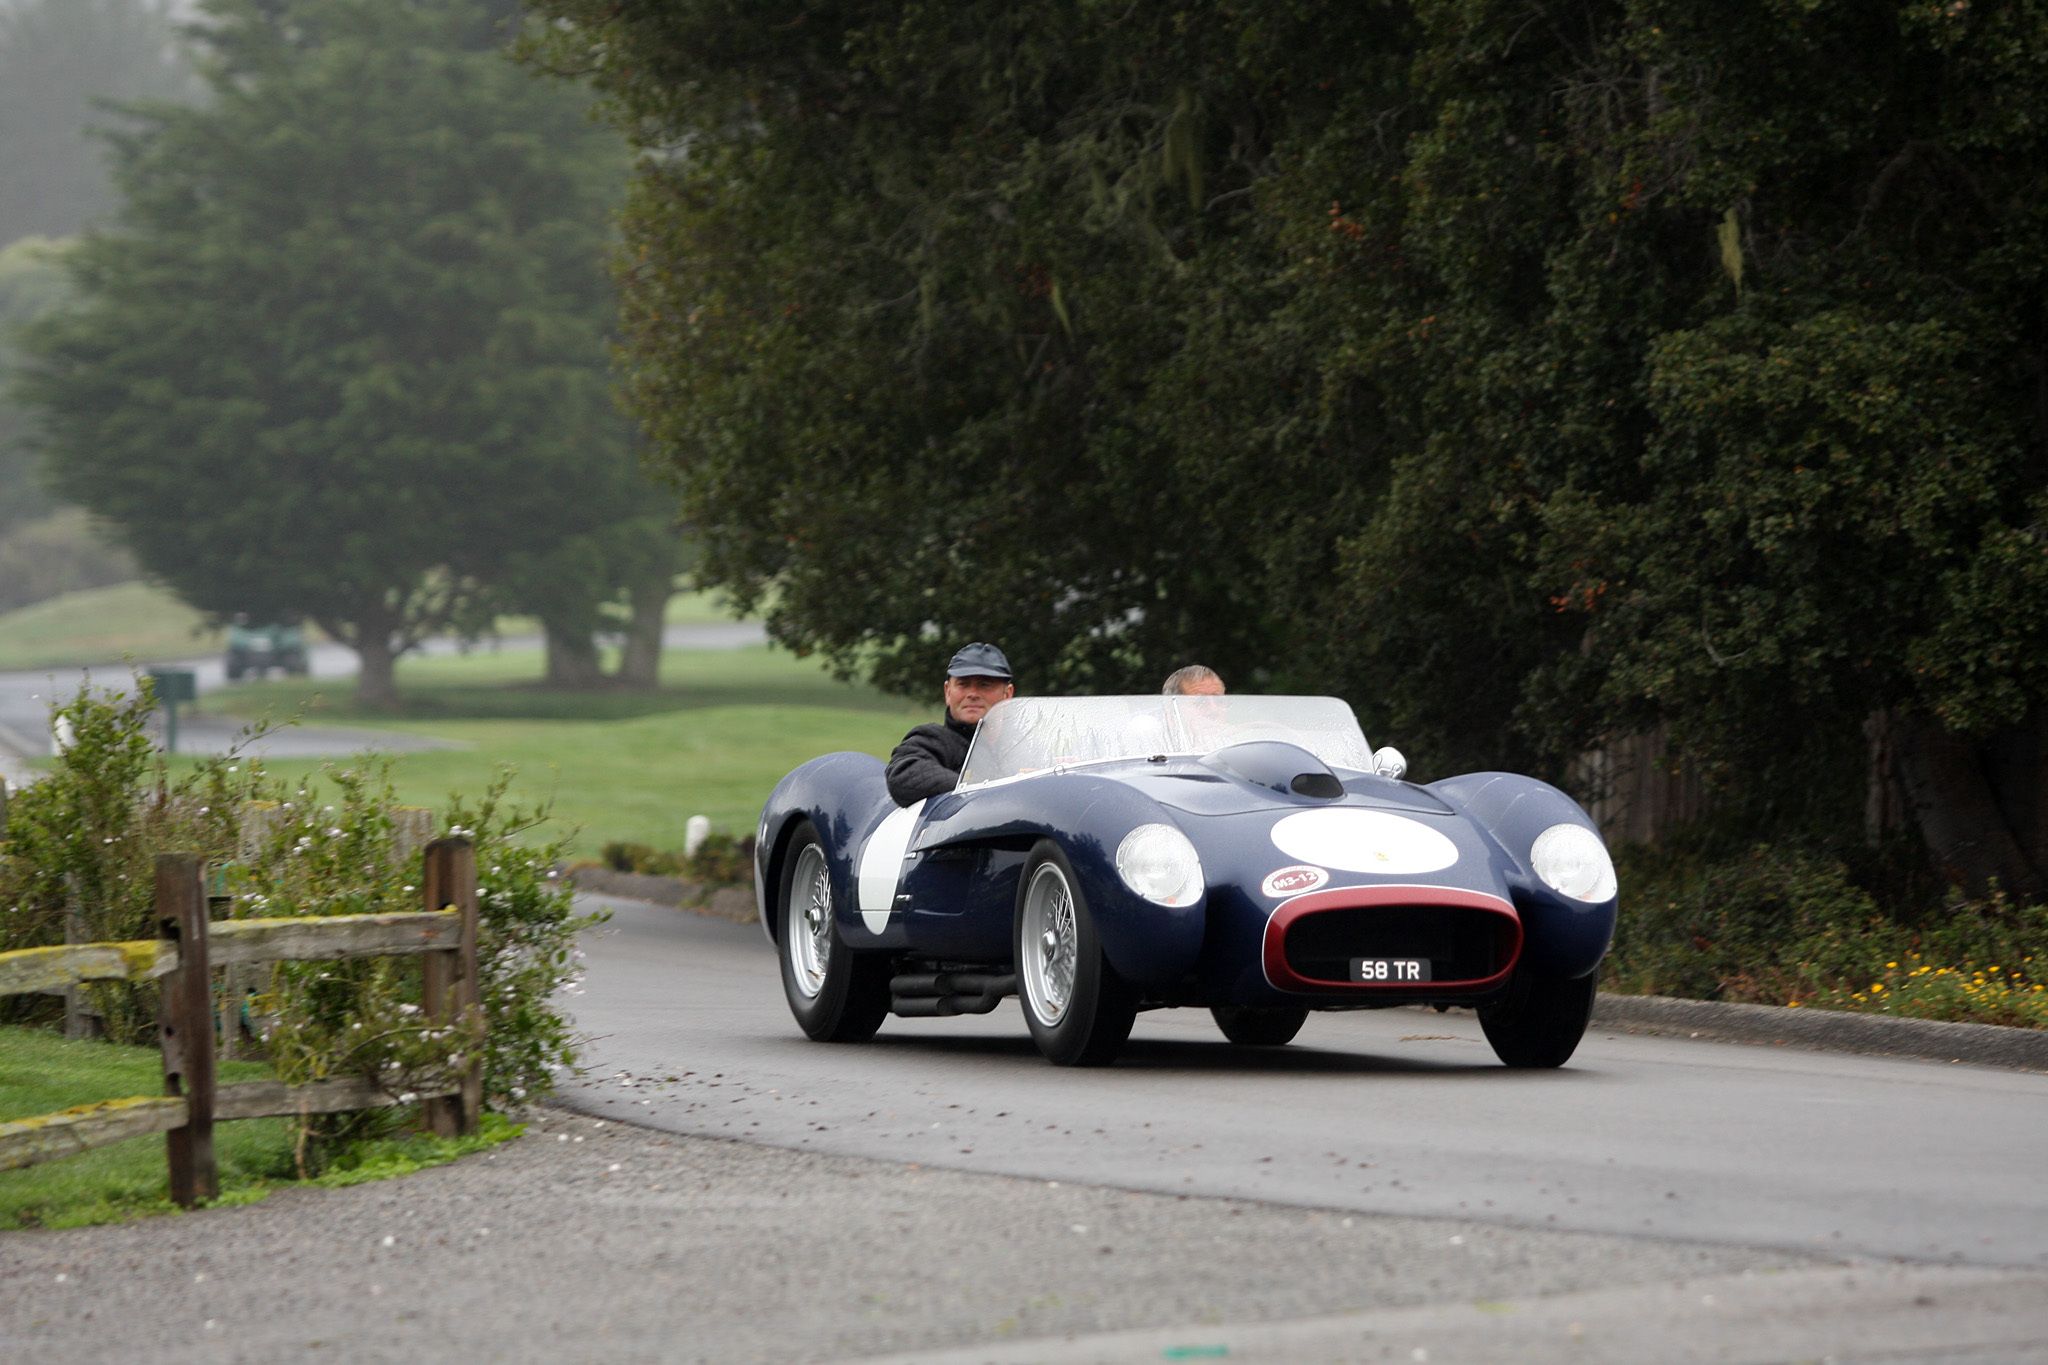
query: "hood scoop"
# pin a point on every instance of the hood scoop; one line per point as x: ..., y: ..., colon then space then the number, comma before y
x: 1278, y: 766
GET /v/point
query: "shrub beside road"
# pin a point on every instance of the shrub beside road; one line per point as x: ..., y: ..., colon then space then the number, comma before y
x: 1784, y: 927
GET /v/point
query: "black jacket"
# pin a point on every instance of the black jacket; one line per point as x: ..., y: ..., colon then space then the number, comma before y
x: 928, y: 761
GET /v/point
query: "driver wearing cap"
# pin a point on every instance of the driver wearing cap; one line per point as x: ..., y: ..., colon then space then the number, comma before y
x: 929, y: 759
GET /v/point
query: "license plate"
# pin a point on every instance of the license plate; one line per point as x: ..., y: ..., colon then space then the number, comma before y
x: 1376, y: 969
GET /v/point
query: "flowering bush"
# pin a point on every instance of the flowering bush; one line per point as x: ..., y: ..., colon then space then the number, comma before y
x: 1782, y: 927
x: 1996, y: 994
x: 340, y: 856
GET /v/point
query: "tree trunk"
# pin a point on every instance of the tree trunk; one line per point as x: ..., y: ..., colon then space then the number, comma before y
x: 572, y: 659
x: 1884, y: 799
x: 640, y: 663
x: 377, y: 674
x: 1970, y: 833
x: 2016, y: 762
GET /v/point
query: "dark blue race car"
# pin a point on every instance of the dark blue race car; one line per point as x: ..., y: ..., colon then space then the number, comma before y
x: 1249, y: 855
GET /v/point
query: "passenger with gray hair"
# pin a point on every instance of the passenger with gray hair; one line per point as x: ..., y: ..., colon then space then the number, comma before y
x: 1196, y: 680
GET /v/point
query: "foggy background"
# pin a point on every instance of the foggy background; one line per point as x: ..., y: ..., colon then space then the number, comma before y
x: 60, y: 62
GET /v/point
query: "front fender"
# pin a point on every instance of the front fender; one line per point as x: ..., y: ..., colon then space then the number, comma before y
x: 845, y: 795
x: 1562, y: 936
x: 1088, y: 817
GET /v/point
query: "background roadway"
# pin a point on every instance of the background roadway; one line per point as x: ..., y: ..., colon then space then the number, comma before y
x: 25, y: 693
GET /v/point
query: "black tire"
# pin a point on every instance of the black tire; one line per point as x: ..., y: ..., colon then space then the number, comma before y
x: 1540, y: 1020
x: 836, y: 994
x: 1249, y: 1026
x: 237, y: 666
x: 1079, y: 1010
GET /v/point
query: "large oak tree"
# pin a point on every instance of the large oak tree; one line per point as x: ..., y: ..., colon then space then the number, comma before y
x: 1529, y: 373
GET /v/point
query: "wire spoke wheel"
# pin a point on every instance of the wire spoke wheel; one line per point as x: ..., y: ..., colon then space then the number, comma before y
x: 1078, y: 1009
x: 1049, y: 939
x: 808, y: 926
x: 837, y: 994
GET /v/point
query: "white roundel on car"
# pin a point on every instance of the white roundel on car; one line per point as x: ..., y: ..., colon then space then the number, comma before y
x: 1364, y: 841
x: 881, y: 866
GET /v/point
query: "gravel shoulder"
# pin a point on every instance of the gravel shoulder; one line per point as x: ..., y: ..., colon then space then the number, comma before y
x: 593, y: 1241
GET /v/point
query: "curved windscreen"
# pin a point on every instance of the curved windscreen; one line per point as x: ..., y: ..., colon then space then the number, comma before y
x: 1037, y: 734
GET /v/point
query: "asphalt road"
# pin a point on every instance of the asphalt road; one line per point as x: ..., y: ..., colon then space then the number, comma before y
x: 1387, y: 1112
x: 604, y: 1243
x: 942, y: 1197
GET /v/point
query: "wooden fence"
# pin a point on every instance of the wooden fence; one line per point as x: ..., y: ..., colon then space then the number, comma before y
x: 189, y: 945
x: 1634, y: 789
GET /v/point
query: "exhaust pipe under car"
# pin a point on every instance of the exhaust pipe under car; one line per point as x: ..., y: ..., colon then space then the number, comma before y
x: 941, y: 995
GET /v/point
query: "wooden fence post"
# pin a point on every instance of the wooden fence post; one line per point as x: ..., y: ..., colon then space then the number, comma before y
x: 186, y: 1027
x: 450, y: 993
x: 75, y: 1025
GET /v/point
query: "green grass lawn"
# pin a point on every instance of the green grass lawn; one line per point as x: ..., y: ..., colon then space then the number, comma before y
x: 101, y: 626
x: 714, y: 741
x: 41, y: 1073
x: 638, y: 779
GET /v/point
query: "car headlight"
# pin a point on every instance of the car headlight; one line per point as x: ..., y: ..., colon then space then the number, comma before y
x: 1159, y: 863
x: 1573, y: 861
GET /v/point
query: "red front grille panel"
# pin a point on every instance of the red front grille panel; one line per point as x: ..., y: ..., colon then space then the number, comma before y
x: 1470, y: 938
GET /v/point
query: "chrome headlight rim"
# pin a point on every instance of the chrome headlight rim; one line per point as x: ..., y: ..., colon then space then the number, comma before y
x: 1572, y: 860
x: 1158, y: 863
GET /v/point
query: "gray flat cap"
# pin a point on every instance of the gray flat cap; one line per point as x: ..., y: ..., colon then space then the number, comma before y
x: 979, y: 661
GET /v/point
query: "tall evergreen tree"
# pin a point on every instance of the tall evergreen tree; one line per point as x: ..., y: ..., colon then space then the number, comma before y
x: 344, y: 354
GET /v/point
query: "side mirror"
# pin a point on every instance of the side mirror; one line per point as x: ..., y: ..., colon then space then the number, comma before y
x: 1388, y: 762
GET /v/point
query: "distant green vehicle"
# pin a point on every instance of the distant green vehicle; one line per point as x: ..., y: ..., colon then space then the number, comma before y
x: 258, y: 649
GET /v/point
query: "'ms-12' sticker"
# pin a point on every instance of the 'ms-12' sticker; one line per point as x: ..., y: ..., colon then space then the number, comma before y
x: 1293, y: 881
